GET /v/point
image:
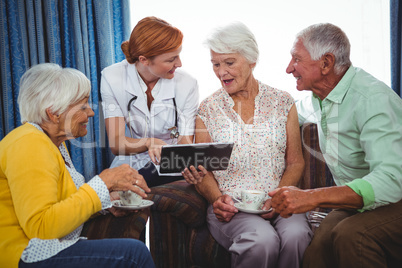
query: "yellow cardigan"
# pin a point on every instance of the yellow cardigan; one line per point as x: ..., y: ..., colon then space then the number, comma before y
x: 38, y: 198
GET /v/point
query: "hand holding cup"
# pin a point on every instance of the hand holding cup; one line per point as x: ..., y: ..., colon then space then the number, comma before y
x: 129, y: 198
x: 124, y: 178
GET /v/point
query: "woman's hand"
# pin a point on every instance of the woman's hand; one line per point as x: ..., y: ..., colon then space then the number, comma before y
x: 116, y: 211
x: 154, y: 149
x: 193, y: 176
x: 224, y: 208
x: 123, y: 178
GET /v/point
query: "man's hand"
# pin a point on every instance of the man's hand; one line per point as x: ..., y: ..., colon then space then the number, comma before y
x: 271, y: 214
x: 290, y: 200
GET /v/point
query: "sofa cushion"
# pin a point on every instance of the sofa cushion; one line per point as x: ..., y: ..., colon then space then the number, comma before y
x: 179, y: 234
x: 109, y: 226
x: 182, y: 201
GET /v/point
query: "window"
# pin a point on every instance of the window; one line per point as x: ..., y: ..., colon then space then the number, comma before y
x: 275, y: 24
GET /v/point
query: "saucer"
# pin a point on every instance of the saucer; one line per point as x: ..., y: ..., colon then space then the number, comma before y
x: 143, y: 204
x: 240, y: 207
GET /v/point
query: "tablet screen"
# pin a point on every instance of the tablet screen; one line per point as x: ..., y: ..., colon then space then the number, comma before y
x: 213, y: 156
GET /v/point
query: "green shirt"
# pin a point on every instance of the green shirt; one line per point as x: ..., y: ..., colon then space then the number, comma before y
x: 360, y: 134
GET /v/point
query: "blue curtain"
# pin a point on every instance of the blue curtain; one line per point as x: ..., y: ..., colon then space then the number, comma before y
x: 81, y: 34
x: 396, y: 45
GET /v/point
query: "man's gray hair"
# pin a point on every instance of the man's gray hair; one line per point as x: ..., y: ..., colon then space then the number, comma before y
x: 48, y: 85
x: 234, y: 38
x: 323, y: 38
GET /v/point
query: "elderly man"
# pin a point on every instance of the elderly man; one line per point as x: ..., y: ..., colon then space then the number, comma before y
x: 359, y: 122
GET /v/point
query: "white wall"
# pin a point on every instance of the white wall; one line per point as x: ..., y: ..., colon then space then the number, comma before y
x: 274, y: 23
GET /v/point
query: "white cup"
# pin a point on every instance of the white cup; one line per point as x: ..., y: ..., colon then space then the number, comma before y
x: 129, y: 198
x: 252, y: 199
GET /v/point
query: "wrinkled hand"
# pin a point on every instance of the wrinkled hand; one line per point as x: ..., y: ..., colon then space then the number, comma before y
x: 224, y: 208
x: 291, y: 200
x: 192, y: 176
x: 116, y: 211
x: 124, y: 178
x: 271, y: 214
x: 154, y: 149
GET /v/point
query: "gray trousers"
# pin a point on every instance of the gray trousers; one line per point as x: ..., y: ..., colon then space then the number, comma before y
x: 257, y: 243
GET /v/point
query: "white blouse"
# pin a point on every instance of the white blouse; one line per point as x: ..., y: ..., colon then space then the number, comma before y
x: 258, y: 156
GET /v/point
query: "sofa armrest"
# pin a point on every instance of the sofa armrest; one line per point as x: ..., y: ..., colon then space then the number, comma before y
x: 316, y: 172
x: 181, y: 200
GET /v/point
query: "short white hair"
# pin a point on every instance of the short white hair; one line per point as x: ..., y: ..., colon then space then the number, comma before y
x: 323, y: 38
x: 234, y: 38
x: 48, y: 85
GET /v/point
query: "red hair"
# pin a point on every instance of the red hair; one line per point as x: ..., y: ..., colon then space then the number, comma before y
x: 151, y: 37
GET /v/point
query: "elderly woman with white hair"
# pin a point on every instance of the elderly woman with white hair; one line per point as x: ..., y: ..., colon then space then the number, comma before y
x: 44, y: 201
x: 262, y: 122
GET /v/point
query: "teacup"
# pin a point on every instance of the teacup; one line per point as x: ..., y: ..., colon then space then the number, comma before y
x: 129, y: 198
x: 252, y: 199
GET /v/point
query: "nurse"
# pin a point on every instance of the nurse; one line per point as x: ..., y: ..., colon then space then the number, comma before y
x: 147, y: 101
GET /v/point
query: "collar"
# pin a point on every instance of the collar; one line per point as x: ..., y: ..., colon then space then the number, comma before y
x: 167, y: 89
x: 339, y: 92
x: 167, y: 86
x: 36, y: 125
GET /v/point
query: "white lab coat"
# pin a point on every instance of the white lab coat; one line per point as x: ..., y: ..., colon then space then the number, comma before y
x: 120, y: 82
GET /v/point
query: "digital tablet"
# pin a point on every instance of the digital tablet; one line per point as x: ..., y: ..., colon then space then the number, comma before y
x: 212, y: 156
